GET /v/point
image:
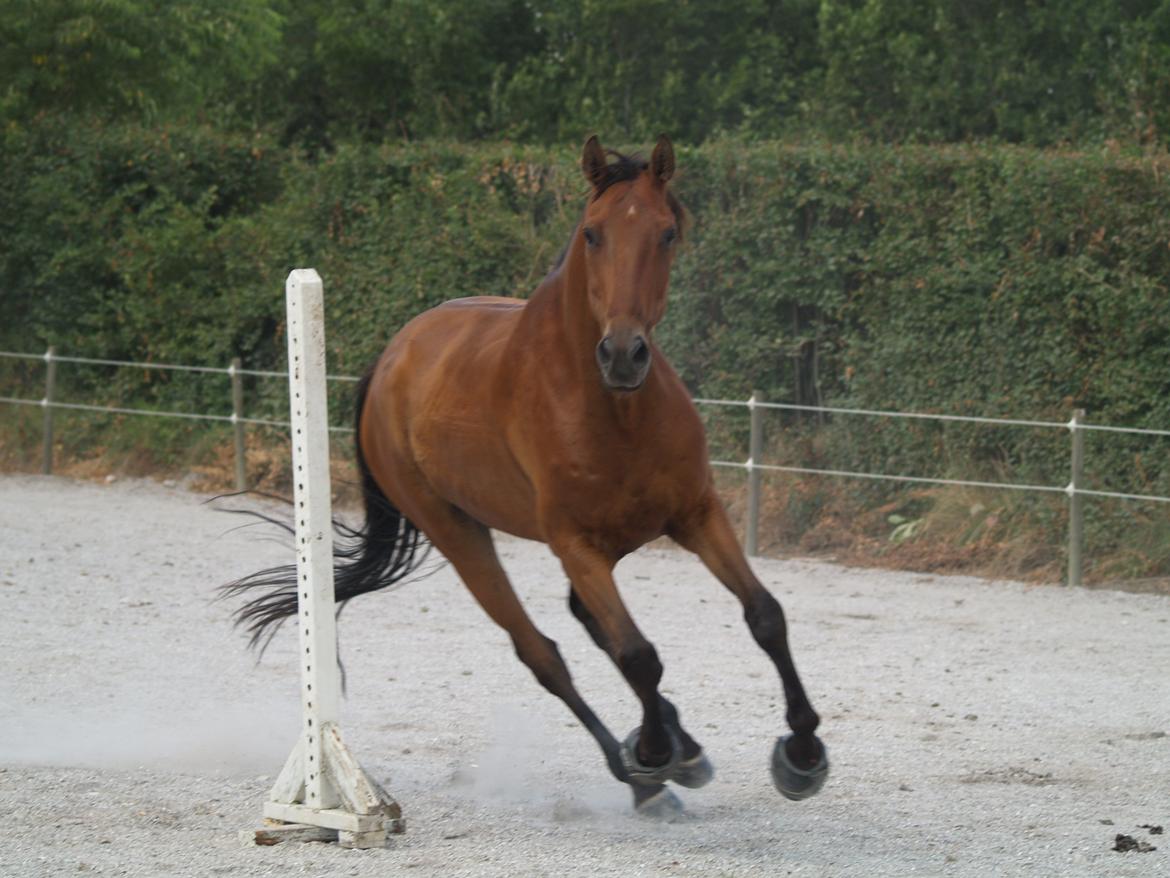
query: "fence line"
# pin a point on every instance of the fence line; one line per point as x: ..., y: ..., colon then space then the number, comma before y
x: 924, y: 480
x: 155, y: 413
x: 971, y: 419
x: 753, y: 466
x: 963, y: 483
x: 48, y: 356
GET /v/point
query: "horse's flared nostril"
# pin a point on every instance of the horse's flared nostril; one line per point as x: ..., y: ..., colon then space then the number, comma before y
x: 605, y: 350
x: 624, y: 358
x: 639, y: 351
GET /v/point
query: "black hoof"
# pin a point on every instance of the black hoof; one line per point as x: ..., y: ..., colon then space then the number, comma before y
x: 649, y: 775
x: 797, y: 783
x: 662, y: 805
x: 694, y: 772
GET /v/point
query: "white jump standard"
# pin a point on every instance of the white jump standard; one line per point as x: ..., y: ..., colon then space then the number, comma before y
x: 322, y: 792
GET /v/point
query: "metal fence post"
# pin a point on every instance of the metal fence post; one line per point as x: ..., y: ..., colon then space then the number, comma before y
x: 756, y: 450
x: 237, y: 424
x: 1076, y: 514
x: 47, y: 406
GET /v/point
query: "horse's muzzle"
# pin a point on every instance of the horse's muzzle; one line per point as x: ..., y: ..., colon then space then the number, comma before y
x: 624, y: 359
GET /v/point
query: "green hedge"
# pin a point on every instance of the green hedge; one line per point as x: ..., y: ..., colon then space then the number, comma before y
x: 989, y: 280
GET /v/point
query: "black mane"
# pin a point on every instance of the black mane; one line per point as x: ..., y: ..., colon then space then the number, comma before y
x: 623, y: 169
x: 627, y: 167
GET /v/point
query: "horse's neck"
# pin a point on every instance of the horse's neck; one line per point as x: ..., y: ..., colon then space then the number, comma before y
x: 561, y: 303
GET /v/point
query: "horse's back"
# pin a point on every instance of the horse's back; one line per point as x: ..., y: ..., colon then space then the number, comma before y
x: 482, y: 303
x: 437, y: 406
x: 459, y: 338
x: 448, y: 356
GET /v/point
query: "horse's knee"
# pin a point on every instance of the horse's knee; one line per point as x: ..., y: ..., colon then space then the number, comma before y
x: 765, y: 618
x: 640, y: 665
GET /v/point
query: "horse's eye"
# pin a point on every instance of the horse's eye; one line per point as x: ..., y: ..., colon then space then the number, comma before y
x: 669, y: 236
x: 590, y: 236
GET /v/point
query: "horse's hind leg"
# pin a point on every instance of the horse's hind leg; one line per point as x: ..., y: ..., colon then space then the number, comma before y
x: 799, y: 762
x: 695, y: 770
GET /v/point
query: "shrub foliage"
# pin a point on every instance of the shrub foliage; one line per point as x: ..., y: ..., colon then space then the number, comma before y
x: 985, y: 280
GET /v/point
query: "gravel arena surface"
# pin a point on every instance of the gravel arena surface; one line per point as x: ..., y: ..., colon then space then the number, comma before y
x: 975, y: 727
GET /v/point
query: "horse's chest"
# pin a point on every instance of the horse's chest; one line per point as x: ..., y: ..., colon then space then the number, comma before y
x: 631, y: 494
x: 624, y: 480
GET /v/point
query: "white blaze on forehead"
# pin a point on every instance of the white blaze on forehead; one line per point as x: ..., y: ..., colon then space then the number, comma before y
x: 633, y: 210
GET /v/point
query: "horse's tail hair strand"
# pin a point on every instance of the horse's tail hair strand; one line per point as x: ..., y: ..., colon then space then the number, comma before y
x: 385, y: 550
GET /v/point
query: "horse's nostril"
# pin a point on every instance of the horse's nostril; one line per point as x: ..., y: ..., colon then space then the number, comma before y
x: 639, y: 351
x: 605, y: 350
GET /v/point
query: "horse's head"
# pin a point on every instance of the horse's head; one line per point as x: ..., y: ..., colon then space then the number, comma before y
x: 629, y: 232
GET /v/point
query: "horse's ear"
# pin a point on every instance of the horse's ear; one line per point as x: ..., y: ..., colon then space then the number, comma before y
x: 593, y: 161
x: 662, y: 161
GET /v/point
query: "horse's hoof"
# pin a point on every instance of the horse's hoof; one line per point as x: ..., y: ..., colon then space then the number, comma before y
x: 649, y: 775
x: 694, y: 772
x: 797, y: 783
x: 663, y: 805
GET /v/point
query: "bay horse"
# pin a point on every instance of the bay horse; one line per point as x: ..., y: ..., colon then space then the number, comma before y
x: 558, y: 419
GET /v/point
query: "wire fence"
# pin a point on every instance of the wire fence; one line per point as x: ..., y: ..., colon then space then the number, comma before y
x: 1075, y: 426
x: 753, y: 465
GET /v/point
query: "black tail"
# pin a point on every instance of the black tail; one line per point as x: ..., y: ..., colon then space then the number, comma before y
x: 383, y: 551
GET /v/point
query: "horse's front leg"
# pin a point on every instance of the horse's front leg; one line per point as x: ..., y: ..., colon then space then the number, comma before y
x: 800, y: 764
x: 653, y: 752
x: 694, y: 770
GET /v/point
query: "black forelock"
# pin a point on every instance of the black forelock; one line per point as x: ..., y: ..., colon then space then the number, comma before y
x: 626, y: 167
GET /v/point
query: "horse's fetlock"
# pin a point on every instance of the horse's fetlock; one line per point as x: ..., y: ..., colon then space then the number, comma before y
x: 803, y: 720
x: 655, y: 750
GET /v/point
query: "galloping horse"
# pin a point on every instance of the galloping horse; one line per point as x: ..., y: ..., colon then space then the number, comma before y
x: 558, y: 419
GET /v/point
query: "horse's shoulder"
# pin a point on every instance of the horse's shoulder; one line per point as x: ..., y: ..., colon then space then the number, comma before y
x: 456, y: 321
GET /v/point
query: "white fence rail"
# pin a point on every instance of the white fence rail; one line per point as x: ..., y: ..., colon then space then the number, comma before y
x: 753, y: 466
